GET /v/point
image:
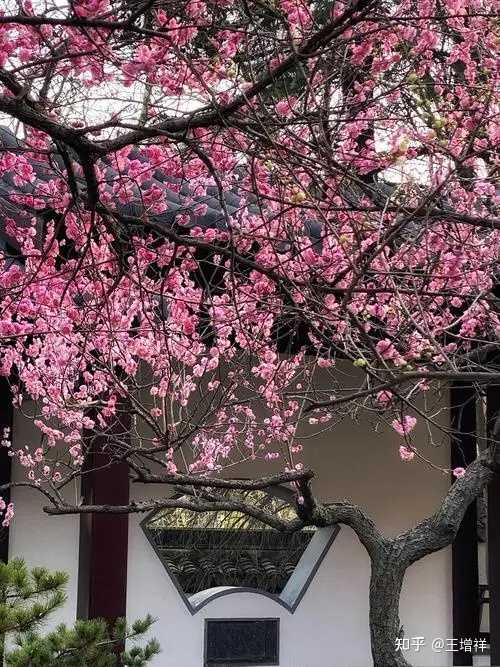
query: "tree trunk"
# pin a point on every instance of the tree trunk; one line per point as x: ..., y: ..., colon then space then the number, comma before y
x: 385, y: 590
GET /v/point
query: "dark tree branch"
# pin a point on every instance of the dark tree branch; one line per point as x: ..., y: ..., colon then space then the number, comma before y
x: 355, y: 517
x: 235, y: 484
x: 402, y: 378
x: 194, y: 504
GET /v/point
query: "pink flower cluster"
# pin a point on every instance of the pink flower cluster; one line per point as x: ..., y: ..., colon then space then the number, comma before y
x: 364, y: 225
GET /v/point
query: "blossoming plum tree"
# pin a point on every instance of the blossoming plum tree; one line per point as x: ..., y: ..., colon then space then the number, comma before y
x: 208, y: 205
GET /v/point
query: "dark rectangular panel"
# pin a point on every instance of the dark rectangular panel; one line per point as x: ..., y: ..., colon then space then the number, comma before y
x: 492, y: 410
x: 465, y: 568
x: 243, y: 642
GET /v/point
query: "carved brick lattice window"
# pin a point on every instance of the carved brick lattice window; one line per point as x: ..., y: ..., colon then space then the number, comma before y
x: 211, y: 549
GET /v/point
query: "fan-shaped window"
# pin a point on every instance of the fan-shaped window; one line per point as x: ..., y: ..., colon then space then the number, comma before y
x: 217, y: 552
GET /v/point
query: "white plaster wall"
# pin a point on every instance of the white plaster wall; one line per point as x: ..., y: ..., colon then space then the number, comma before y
x: 330, y: 626
x: 39, y: 539
x: 326, y: 628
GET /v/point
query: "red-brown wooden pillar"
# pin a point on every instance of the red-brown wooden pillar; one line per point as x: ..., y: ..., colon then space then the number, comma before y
x: 102, y: 575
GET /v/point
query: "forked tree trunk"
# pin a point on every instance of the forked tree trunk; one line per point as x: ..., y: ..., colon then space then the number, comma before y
x: 390, y: 558
x: 385, y: 627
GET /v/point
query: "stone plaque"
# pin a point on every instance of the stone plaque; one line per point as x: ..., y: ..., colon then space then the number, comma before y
x: 244, y: 642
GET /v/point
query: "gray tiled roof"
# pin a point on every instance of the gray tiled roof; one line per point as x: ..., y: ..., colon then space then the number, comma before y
x: 178, y: 195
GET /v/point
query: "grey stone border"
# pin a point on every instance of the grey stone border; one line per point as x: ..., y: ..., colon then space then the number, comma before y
x: 296, y: 587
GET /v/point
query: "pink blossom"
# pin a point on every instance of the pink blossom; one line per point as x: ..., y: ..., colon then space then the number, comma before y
x: 384, y: 397
x: 195, y: 8
x: 404, y: 426
x: 386, y: 349
x: 427, y: 40
x: 406, y: 454
x: 285, y: 107
x: 8, y: 516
